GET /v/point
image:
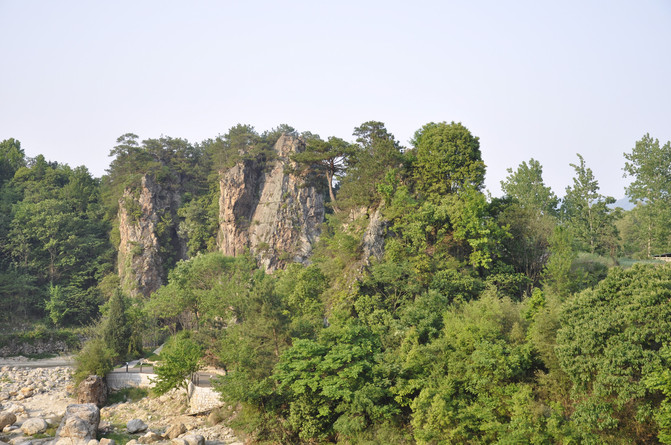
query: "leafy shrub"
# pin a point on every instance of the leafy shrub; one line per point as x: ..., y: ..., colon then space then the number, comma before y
x: 95, y: 358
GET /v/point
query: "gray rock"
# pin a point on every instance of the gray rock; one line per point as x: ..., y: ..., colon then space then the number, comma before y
x: 269, y: 211
x: 79, y: 425
x: 106, y: 441
x: 194, y: 439
x: 35, y: 425
x: 7, y: 419
x: 150, y: 437
x: 92, y: 442
x: 178, y: 442
x: 92, y: 390
x: 175, y: 431
x: 136, y: 426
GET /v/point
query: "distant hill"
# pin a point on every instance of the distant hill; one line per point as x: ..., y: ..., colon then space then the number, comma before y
x: 624, y: 203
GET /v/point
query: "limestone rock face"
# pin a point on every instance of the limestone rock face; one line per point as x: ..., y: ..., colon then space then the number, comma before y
x: 268, y: 210
x: 143, y: 213
x: 79, y: 426
x: 374, y: 236
x: 92, y: 390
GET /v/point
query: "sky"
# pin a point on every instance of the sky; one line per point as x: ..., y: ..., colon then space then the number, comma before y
x: 532, y: 79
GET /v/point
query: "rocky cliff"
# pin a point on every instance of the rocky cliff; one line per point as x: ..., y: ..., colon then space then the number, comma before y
x: 147, y: 229
x: 268, y: 210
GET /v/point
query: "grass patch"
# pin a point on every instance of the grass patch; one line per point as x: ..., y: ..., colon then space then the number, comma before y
x: 39, y: 333
x: 127, y: 395
x: 626, y: 263
x: 152, y: 357
x: 41, y: 356
x: 121, y: 438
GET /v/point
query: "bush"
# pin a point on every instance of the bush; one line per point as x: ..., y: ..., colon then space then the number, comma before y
x: 127, y: 395
x: 95, y: 358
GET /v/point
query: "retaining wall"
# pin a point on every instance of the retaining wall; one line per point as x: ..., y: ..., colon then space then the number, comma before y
x: 200, y: 398
x: 120, y: 380
x: 203, y: 399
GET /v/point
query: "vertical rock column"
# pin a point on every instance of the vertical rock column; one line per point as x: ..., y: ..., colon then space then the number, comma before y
x: 269, y: 211
x: 140, y: 264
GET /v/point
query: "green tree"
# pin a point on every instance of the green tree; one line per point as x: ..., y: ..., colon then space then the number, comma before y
x: 201, y: 290
x: 328, y: 157
x: 473, y: 382
x: 558, y: 275
x: 471, y: 221
x: 609, y: 345
x: 648, y: 164
x: 95, y: 358
x: 447, y: 159
x: 116, y: 331
x: 71, y: 305
x: 335, y: 385
x: 376, y: 153
x: 587, y: 213
x: 526, y: 186
x: 12, y: 157
x: 179, y: 359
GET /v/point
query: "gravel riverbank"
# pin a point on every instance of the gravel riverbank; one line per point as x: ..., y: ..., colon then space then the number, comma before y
x: 43, y: 389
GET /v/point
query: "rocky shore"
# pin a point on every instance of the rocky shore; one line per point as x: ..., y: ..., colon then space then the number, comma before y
x: 33, y: 402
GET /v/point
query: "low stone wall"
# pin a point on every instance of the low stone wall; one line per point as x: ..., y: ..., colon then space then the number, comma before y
x: 200, y: 398
x: 203, y: 399
x: 120, y: 380
x: 12, y: 346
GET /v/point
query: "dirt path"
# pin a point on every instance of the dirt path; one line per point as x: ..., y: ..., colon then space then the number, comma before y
x: 23, y: 362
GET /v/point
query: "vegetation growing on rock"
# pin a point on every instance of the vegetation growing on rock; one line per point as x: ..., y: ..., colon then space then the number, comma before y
x: 411, y: 306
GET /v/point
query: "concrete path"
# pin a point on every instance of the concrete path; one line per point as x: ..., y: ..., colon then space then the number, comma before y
x: 24, y: 362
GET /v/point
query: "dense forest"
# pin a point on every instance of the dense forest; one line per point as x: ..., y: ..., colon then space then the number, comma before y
x: 522, y: 319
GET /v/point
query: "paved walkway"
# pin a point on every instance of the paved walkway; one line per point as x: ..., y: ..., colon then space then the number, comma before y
x: 23, y: 362
x: 201, y: 378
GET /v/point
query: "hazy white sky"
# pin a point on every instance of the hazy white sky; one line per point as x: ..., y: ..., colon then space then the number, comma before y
x: 534, y: 78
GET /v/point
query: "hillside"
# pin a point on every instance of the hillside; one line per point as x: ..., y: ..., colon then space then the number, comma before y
x: 356, y: 292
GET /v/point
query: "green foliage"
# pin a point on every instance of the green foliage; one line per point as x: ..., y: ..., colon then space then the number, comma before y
x: 587, y: 213
x: 526, y: 187
x: 445, y: 338
x: 335, y: 384
x: 132, y: 394
x: 95, y: 358
x: 253, y: 343
x: 473, y: 381
x: 651, y: 189
x: 72, y: 306
x: 121, y: 327
x: 558, y: 276
x: 12, y: 157
x: 198, y: 224
x: 301, y: 289
x: 377, y: 152
x: 180, y: 357
x: 54, y: 236
x: 609, y: 344
x: 528, y: 247
x: 197, y: 289
x: 324, y: 158
x: 471, y: 222
x: 447, y: 159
